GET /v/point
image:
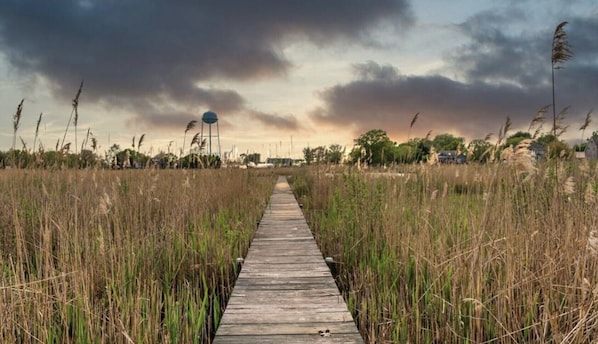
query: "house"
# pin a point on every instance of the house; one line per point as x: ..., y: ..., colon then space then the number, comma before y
x: 591, y: 151
x: 451, y: 157
x: 538, y: 150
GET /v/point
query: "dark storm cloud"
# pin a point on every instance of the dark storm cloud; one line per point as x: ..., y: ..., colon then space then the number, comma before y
x: 373, y: 71
x: 274, y: 121
x: 444, y: 105
x: 148, y: 49
x: 494, y: 55
x: 165, y: 120
x: 500, y: 75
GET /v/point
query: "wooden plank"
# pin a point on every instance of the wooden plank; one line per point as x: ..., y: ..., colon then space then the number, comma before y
x: 288, y: 328
x: 290, y: 339
x: 268, y: 318
x: 285, y: 292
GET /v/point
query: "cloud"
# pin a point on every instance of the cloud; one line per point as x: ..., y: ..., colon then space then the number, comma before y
x: 496, y: 54
x: 149, y: 50
x: 373, y: 71
x: 499, y: 73
x: 444, y: 105
x: 288, y: 123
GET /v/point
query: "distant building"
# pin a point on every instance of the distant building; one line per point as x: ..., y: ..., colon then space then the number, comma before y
x: 280, y: 162
x: 538, y: 150
x: 591, y: 151
x: 285, y: 162
x: 451, y: 157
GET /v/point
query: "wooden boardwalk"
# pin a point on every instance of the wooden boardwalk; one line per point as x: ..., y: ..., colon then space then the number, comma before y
x: 285, y: 292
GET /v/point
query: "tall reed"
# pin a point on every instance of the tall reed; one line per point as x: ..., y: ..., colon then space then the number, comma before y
x: 145, y: 256
x: 478, y: 253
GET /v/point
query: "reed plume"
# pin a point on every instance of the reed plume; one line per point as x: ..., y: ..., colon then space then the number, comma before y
x: 502, y: 132
x: 428, y: 135
x: 586, y: 123
x: 538, y: 120
x: 569, y: 186
x: 522, y: 159
x: 16, y: 120
x: 84, y: 143
x: 560, y: 128
x: 39, y: 120
x: 507, y: 126
x: 189, y: 126
x: 75, y: 112
x: 141, y: 138
x: 195, y: 139
x: 66, y: 148
x: 23, y: 144
x: 560, y: 54
x: 413, y: 120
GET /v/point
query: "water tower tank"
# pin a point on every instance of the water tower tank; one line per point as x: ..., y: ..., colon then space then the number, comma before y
x: 209, y: 117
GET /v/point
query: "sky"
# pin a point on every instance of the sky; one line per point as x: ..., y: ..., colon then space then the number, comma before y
x: 285, y: 75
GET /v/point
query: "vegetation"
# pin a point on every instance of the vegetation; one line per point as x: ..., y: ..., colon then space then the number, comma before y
x: 143, y: 256
x: 479, y: 253
x: 561, y: 53
x: 332, y: 155
x: 495, y: 253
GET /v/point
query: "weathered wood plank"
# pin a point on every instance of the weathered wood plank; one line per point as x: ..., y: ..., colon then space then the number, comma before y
x: 288, y: 328
x: 290, y: 339
x: 273, y: 318
x: 285, y: 292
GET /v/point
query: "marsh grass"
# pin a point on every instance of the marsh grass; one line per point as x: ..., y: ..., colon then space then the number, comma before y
x: 143, y: 256
x: 477, y: 253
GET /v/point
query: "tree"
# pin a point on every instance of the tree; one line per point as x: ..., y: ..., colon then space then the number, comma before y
x: 373, y: 148
x: 422, y: 148
x: 480, y: 150
x: 308, y: 155
x: 416, y: 150
x: 448, y: 142
x: 131, y: 158
x: 3, y: 159
x: 555, y: 147
x: 111, y: 155
x: 405, y: 153
x: 319, y: 154
x: 334, y: 154
x: 88, y: 158
x: 513, y: 140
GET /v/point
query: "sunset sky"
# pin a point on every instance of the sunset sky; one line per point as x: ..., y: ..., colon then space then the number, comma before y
x: 314, y: 72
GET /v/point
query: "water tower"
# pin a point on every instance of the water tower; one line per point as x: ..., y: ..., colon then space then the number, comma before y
x: 209, y: 118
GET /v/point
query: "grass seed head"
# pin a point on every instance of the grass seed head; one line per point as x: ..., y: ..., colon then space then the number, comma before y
x: 569, y: 186
x: 592, y: 245
x: 590, y: 195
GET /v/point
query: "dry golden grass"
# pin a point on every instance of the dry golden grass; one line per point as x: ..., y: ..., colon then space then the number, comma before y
x: 496, y: 253
x: 122, y: 256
